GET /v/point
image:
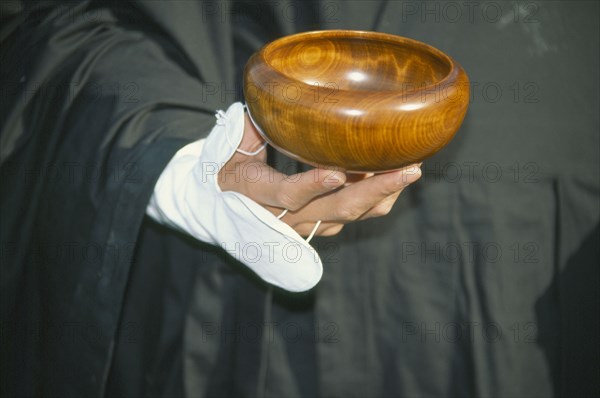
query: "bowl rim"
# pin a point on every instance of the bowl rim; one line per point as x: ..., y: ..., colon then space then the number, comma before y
x: 453, y: 69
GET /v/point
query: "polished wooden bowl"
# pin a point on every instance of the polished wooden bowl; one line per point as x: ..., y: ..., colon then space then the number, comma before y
x: 354, y: 100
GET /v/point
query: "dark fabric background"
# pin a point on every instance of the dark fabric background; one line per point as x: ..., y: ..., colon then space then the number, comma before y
x: 483, y: 281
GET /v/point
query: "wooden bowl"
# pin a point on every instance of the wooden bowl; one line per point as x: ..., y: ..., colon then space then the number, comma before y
x: 354, y: 100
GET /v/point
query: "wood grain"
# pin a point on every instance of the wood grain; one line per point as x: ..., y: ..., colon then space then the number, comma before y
x: 359, y: 101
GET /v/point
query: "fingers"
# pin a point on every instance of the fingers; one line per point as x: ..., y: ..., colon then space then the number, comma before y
x: 325, y: 229
x: 378, y: 193
x: 370, y: 197
x: 269, y: 187
x: 314, y: 195
x: 383, y: 208
x: 295, y: 191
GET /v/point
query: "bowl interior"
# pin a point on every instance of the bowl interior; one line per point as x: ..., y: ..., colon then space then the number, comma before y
x: 358, y: 62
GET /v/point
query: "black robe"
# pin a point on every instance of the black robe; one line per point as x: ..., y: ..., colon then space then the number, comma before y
x: 483, y: 281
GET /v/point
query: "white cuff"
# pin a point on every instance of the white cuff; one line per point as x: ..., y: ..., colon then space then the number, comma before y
x: 187, y: 197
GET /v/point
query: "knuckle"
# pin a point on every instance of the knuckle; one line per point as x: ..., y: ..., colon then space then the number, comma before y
x: 347, y: 213
x: 381, y: 210
x: 288, y: 201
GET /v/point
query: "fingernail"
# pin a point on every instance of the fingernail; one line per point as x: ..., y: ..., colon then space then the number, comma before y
x: 411, y: 174
x: 413, y: 170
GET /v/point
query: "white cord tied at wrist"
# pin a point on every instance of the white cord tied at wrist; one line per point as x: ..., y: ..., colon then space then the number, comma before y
x: 312, y: 233
x: 259, y: 150
x: 283, y: 213
x: 222, y: 121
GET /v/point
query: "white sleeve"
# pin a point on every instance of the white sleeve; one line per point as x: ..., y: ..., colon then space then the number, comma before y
x: 187, y: 197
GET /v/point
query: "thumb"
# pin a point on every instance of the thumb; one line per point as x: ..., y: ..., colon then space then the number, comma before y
x: 294, y: 191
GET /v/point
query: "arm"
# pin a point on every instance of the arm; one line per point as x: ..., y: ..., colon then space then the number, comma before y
x: 218, y: 193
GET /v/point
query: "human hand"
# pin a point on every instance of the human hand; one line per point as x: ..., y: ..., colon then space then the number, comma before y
x: 319, y: 194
